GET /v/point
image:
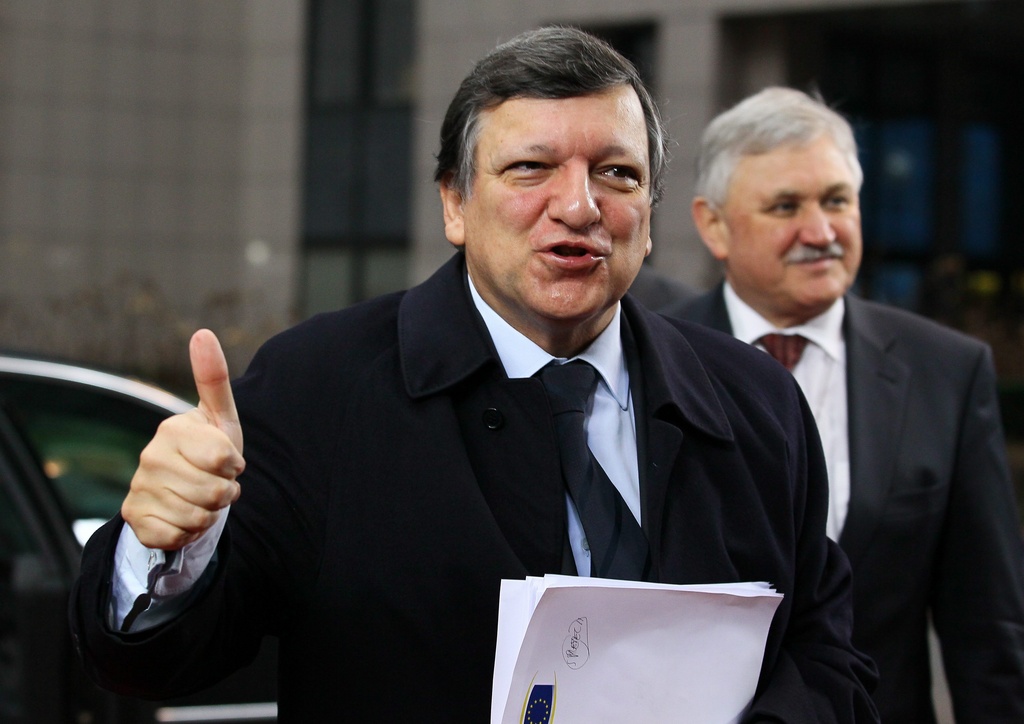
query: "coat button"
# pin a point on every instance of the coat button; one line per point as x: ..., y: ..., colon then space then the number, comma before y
x: 493, y: 418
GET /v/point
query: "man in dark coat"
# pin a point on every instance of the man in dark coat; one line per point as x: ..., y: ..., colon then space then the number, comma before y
x: 401, y: 456
x: 921, y: 499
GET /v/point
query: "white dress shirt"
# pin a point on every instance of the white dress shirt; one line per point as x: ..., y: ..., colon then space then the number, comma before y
x: 821, y: 373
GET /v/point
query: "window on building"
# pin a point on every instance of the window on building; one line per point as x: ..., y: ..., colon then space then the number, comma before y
x: 356, y: 206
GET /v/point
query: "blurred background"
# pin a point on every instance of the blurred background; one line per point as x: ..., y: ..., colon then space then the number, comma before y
x: 241, y: 164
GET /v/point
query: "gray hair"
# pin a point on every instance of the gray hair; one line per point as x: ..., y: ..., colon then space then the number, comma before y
x: 763, y: 122
x: 551, y: 62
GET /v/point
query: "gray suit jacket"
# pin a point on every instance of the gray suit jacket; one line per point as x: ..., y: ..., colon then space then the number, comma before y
x: 932, y: 526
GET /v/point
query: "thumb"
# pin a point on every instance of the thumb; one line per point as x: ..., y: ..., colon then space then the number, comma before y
x: 210, y: 370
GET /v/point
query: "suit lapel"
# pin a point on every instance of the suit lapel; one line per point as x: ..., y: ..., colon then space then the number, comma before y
x: 877, y: 386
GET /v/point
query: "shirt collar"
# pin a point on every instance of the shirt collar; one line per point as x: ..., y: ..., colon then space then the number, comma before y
x: 825, y: 330
x: 521, y: 357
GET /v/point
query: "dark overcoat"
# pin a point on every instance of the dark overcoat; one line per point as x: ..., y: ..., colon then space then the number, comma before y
x: 395, y: 475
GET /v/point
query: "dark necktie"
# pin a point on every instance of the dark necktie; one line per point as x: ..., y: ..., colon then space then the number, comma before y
x: 786, y: 348
x: 618, y: 546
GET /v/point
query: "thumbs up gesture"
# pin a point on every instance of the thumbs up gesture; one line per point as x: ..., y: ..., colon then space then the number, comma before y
x: 187, y: 473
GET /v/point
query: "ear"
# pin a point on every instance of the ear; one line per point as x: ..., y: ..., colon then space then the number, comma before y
x: 711, y: 226
x: 454, y: 220
x: 650, y: 245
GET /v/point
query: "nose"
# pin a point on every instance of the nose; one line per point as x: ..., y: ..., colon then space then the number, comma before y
x: 816, y: 227
x: 572, y: 198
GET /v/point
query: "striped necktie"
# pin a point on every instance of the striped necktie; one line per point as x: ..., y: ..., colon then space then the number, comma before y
x: 786, y: 348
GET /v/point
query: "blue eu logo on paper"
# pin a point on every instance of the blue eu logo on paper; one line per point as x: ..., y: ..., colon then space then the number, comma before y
x: 540, y: 706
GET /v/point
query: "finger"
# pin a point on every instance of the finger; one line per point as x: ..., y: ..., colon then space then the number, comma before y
x: 210, y: 370
x: 190, y: 459
x: 157, y: 534
x: 194, y: 510
x: 192, y: 444
x: 186, y: 476
x: 158, y: 530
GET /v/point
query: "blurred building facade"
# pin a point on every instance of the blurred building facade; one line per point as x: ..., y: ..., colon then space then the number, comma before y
x: 149, y: 174
x: 241, y: 164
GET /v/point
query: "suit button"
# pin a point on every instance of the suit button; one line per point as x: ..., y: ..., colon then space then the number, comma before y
x: 493, y: 418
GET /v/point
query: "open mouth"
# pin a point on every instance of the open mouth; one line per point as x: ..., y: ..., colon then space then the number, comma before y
x: 570, y: 251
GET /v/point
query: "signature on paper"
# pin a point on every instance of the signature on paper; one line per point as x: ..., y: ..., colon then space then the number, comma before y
x: 575, y: 647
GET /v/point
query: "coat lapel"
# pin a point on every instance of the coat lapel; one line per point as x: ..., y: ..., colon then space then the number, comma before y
x: 877, y: 386
x: 672, y: 392
x: 509, y: 438
x: 505, y: 430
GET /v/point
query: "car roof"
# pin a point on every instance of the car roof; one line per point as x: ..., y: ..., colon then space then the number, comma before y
x: 26, y: 366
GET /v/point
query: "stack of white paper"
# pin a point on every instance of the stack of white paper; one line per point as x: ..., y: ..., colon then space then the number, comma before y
x: 590, y: 650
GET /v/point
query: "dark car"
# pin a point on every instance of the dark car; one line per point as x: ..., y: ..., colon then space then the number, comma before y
x: 70, y: 439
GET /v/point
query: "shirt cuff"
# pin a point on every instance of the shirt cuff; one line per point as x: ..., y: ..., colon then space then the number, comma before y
x: 146, y: 579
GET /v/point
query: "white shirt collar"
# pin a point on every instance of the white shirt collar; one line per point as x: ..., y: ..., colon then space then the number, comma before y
x: 521, y: 357
x: 825, y: 330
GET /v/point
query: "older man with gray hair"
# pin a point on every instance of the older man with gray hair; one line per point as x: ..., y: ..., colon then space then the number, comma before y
x: 920, y: 494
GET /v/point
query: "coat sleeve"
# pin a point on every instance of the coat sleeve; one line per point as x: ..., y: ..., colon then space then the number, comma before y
x: 264, y: 565
x: 818, y: 675
x: 161, y: 661
x: 978, y: 597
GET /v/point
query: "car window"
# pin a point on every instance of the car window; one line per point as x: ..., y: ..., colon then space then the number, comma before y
x: 87, y: 442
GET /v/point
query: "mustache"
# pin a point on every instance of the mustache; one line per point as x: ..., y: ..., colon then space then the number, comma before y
x: 802, y: 253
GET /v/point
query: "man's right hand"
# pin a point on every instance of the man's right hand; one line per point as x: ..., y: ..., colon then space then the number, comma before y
x: 187, y: 473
